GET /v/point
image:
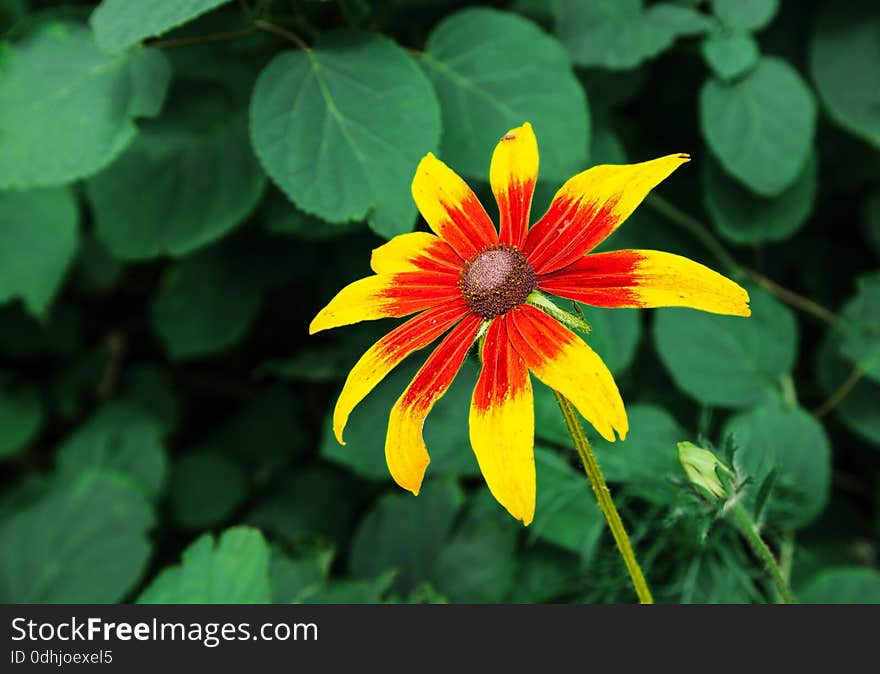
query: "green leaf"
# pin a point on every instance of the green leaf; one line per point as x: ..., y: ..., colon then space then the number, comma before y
x: 341, y: 128
x: 446, y: 428
x: 84, y: 542
x: 730, y: 54
x: 189, y: 179
x: 292, y: 578
x: 206, y: 488
x: 482, y: 94
x: 406, y: 533
x: 566, y: 513
x: 367, y: 591
x: 315, y: 501
x: 38, y: 242
x: 744, y: 217
x: 621, y: 34
x: 117, y: 438
x: 119, y: 24
x: 478, y: 563
x: 266, y: 434
x: 760, y: 127
x: 647, y: 461
x: 545, y: 574
x: 858, y: 409
x: 859, y: 325
x: 789, y: 440
x: 728, y: 360
x: 231, y: 570
x: 207, y: 304
x: 843, y: 586
x: 147, y: 389
x: 67, y: 108
x: 21, y: 417
x: 745, y: 14
x: 845, y: 65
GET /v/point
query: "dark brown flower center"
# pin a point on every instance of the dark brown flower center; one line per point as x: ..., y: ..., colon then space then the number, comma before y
x: 497, y: 280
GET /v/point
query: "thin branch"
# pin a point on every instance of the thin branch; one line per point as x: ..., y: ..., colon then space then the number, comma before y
x: 282, y: 33
x: 841, y: 392
x: 805, y: 304
x: 202, y: 39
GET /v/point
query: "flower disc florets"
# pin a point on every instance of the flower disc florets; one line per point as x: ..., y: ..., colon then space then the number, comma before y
x: 496, y: 280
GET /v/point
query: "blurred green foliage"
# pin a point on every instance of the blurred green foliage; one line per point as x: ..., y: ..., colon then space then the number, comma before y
x: 183, y: 185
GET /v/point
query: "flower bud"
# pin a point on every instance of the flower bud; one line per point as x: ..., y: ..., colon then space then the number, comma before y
x: 701, y: 467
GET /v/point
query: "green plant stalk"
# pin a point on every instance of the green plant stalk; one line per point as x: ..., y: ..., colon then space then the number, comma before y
x: 603, y: 496
x: 759, y: 547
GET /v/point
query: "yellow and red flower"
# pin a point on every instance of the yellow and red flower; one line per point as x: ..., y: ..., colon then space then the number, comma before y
x: 469, y: 279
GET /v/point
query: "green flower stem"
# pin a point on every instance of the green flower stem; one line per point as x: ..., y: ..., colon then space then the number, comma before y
x: 603, y: 496
x: 759, y: 547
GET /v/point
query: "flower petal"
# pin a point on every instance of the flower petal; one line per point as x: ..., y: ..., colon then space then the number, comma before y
x: 502, y: 424
x: 513, y: 173
x: 413, y: 252
x: 560, y: 359
x: 589, y: 207
x: 645, y: 279
x: 388, y: 352
x: 385, y: 295
x: 451, y: 209
x: 405, y: 450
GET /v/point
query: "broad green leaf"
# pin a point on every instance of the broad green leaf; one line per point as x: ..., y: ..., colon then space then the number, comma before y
x: 231, y: 570
x: 281, y: 217
x: 314, y: 501
x: 341, y: 128
x: 10, y: 12
x: 67, y: 108
x: 566, y: 513
x: 207, y: 303
x: 843, y: 586
x: 265, y: 434
x: 38, y: 242
x: 188, y: 179
x: 483, y: 93
x: 728, y: 360
x: 545, y: 574
x: 761, y: 126
x: 859, y: 326
x: 293, y: 578
x: 743, y: 217
x: 95, y: 271
x: 478, y: 563
x: 858, y: 409
x: 789, y: 440
x: 21, y: 416
x: 206, y: 488
x: 84, y: 542
x: 845, y: 65
x: 147, y: 389
x: 406, y: 533
x: 118, y: 438
x: 366, y: 591
x: 119, y: 24
x: 621, y: 34
x: 730, y: 54
x: 446, y: 428
x: 745, y: 14
x: 647, y: 461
